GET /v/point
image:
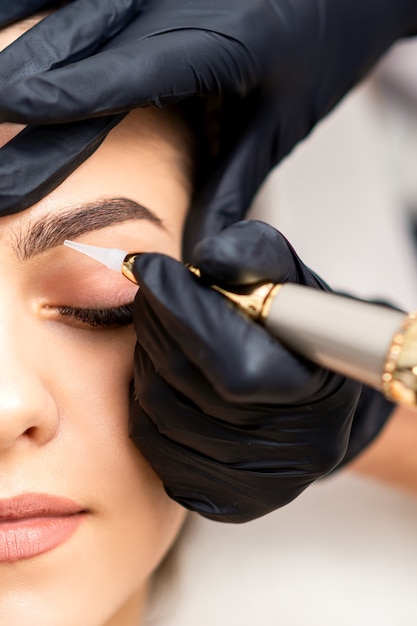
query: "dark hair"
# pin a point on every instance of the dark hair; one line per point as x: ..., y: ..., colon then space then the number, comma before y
x: 202, y: 117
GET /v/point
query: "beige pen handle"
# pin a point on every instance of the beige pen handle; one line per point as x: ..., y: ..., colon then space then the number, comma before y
x: 370, y: 343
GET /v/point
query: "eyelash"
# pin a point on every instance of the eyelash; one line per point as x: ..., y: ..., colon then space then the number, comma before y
x: 100, y: 318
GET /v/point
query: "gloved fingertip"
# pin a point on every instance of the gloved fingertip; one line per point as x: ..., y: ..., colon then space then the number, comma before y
x: 245, y: 253
x: 152, y: 269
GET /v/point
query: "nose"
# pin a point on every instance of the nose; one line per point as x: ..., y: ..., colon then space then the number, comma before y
x: 28, y: 413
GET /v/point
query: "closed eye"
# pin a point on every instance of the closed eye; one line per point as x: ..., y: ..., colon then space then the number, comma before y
x: 100, y: 318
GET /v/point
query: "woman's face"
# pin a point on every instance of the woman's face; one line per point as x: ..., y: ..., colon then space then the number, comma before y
x: 64, y: 387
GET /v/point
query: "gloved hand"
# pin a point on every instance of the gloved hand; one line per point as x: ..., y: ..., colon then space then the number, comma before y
x: 278, y: 66
x: 12, y: 11
x: 233, y: 423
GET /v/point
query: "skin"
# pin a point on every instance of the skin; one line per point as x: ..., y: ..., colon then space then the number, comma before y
x: 64, y: 386
x: 391, y: 458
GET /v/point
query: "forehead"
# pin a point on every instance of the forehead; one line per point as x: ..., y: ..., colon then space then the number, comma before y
x: 8, y: 131
x: 138, y: 161
x: 149, y: 144
x: 7, y: 36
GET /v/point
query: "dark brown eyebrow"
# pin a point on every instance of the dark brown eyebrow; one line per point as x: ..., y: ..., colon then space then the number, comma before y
x: 52, y: 229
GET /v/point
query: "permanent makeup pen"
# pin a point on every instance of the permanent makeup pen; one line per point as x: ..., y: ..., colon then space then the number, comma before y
x: 370, y: 343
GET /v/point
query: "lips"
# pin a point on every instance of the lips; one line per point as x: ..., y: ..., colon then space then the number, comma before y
x: 32, y: 524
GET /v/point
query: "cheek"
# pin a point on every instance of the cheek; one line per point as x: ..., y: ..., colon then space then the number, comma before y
x: 138, y: 520
x: 98, y: 367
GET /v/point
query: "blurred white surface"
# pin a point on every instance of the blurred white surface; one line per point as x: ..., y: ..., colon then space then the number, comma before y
x: 344, y: 553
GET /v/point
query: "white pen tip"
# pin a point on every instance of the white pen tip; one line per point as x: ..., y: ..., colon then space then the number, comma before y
x: 110, y: 257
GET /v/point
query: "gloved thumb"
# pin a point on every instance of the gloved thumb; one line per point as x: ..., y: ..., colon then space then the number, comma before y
x: 249, y: 252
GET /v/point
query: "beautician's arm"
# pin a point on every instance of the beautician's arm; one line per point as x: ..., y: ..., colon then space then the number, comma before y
x: 392, y: 457
x: 279, y: 66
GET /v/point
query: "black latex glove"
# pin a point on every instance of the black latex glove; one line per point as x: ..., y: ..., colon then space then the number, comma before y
x: 279, y: 66
x: 233, y: 423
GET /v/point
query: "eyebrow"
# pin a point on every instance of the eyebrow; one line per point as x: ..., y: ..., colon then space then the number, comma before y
x: 52, y: 229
